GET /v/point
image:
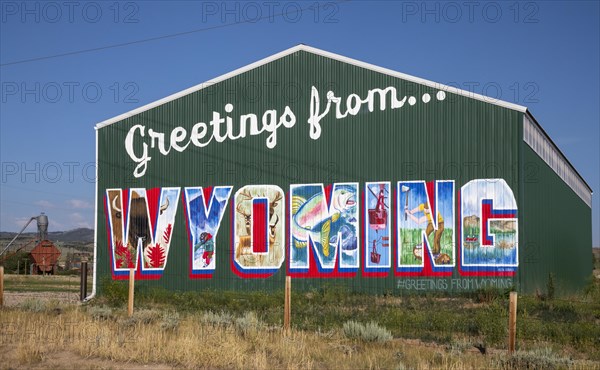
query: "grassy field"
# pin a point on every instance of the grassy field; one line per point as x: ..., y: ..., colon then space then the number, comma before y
x: 203, y: 340
x: 40, y: 283
x: 331, y: 329
x: 550, y: 334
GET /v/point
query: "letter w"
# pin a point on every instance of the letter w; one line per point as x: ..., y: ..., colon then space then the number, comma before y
x: 140, y: 220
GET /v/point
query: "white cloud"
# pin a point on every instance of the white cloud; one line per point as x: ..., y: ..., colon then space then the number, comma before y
x: 78, y: 220
x: 55, y: 225
x: 76, y: 216
x: 80, y: 204
x: 21, y: 221
x: 44, y: 204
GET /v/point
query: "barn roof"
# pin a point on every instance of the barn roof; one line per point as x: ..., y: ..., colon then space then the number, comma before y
x: 323, y: 53
x: 578, y: 184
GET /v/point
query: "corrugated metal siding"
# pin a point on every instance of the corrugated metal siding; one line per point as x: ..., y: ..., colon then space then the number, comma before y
x: 556, y: 231
x: 458, y: 138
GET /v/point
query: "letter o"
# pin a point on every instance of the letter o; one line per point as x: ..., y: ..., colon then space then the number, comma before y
x: 286, y: 14
x: 85, y: 94
x: 85, y: 12
x: 485, y: 12
x: 57, y: 95
x: 48, y: 166
x: 57, y: 12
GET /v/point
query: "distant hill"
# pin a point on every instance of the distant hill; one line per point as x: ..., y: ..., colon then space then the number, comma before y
x: 504, y: 226
x: 83, y: 235
x: 76, y: 235
x: 471, y: 221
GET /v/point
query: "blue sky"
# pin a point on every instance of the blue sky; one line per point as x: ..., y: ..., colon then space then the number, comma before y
x: 544, y: 55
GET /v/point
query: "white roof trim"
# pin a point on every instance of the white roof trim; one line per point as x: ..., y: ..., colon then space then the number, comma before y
x: 529, y: 116
x: 323, y: 53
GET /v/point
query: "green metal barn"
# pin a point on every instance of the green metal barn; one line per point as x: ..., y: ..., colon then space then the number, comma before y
x: 336, y: 172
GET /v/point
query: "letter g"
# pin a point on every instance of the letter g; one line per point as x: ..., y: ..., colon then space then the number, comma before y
x: 142, y: 161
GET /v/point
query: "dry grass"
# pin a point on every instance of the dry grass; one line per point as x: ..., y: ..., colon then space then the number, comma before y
x: 36, y: 333
x: 30, y: 339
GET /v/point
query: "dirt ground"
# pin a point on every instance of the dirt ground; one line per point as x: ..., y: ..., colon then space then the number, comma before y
x: 15, y: 298
x: 64, y: 289
x: 67, y: 360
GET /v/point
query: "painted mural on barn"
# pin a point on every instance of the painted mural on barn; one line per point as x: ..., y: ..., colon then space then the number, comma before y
x: 377, y: 251
x: 258, y: 231
x: 204, y: 211
x: 324, y: 226
x: 489, y: 226
x: 410, y: 229
x: 140, y: 226
x: 426, y: 226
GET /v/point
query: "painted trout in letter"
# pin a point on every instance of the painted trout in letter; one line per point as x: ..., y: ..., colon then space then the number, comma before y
x: 308, y: 214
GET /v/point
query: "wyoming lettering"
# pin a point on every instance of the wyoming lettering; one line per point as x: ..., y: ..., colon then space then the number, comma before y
x: 408, y: 228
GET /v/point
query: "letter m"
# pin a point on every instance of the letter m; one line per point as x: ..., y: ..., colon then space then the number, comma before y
x: 324, y: 227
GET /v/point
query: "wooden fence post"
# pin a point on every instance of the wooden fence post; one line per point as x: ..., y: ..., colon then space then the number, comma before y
x: 287, y: 305
x: 512, y: 323
x: 83, y: 281
x: 131, y: 285
x: 1, y: 286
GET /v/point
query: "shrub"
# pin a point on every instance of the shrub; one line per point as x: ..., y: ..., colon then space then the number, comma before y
x: 458, y: 346
x: 32, y: 305
x: 370, y: 332
x: 541, y: 358
x: 488, y: 295
x: 489, y: 324
x: 170, y: 321
x: 592, y: 288
x: 143, y: 316
x: 146, y: 316
x: 550, y: 286
x: 100, y: 312
x: 247, y: 325
x: 12, y: 264
x: 219, y: 318
x: 115, y: 292
x: 54, y: 307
